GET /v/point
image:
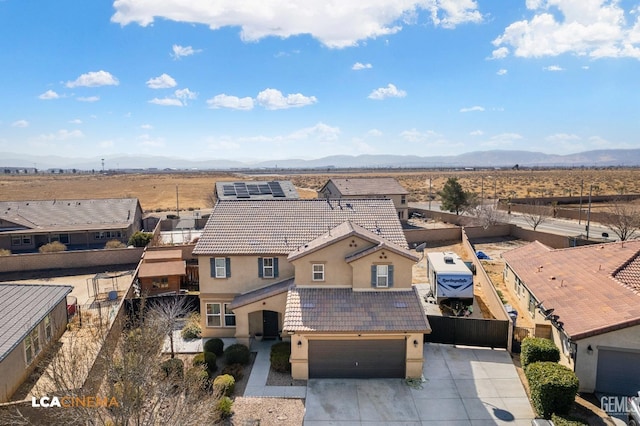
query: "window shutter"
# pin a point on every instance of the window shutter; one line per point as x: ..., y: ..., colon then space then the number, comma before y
x: 212, y: 264
x: 374, y: 275
x: 260, y: 274
x: 390, y: 279
x: 275, y: 267
x: 227, y: 264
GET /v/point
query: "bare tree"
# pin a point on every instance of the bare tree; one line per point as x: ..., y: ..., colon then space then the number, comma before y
x: 623, y: 219
x: 535, y: 214
x: 168, y: 314
x: 487, y: 216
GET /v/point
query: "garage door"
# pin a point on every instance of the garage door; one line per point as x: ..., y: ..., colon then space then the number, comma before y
x: 357, y: 358
x: 618, y: 372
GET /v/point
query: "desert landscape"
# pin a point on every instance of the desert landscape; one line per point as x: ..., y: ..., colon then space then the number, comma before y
x: 161, y: 191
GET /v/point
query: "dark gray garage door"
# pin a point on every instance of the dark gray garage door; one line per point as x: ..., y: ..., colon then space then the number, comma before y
x: 618, y: 372
x: 356, y: 358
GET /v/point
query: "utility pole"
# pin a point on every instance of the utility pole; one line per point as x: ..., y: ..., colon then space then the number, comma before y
x: 177, y: 205
x: 429, y: 193
x: 482, y: 190
x: 580, y: 211
x: 589, y: 211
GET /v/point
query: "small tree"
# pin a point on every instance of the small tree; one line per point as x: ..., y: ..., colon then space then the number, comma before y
x: 167, y: 314
x: 140, y: 239
x: 623, y: 219
x: 535, y: 214
x: 454, y: 198
x: 488, y: 216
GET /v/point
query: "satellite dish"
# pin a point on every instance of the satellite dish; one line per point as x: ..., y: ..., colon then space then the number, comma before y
x: 420, y: 248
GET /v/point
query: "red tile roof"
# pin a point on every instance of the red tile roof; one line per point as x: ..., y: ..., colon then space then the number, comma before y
x: 593, y: 289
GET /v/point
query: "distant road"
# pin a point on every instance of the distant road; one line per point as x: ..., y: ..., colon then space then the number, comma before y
x: 565, y: 227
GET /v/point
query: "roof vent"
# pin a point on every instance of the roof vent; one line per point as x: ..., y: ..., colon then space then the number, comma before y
x: 401, y: 305
x: 448, y: 259
x: 309, y: 305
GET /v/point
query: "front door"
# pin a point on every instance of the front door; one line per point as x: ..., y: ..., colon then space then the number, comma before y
x: 270, y: 324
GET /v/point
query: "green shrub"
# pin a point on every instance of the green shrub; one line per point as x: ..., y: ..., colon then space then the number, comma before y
x: 214, y: 345
x: 567, y: 421
x: 140, y: 239
x: 553, y: 387
x: 535, y: 349
x: 224, y: 385
x: 114, y: 244
x: 224, y: 407
x: 280, y: 354
x: 173, y: 367
x: 207, y: 359
x: 198, y: 377
x: 192, y: 328
x: 237, y: 354
x: 501, y: 296
x: 53, y: 247
x: 235, y: 370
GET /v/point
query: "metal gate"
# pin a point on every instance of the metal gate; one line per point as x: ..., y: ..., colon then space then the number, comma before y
x: 468, y: 331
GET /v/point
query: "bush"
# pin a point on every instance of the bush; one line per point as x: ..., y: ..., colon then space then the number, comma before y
x: 114, y: 244
x: 567, y: 421
x: 198, y: 377
x: 208, y: 360
x: 223, y: 385
x: 553, y: 387
x: 280, y: 354
x: 192, y: 328
x: 535, y: 349
x: 223, y: 407
x: 237, y: 354
x: 140, y: 239
x: 235, y: 370
x: 52, y: 247
x: 173, y: 367
x: 5, y: 252
x: 214, y: 345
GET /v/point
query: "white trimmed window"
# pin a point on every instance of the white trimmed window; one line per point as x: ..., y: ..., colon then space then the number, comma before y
x: 221, y: 267
x: 229, y: 317
x: 215, y: 314
x: 318, y: 272
x: 382, y: 275
x: 32, y: 345
x: 267, y: 267
x: 47, y: 328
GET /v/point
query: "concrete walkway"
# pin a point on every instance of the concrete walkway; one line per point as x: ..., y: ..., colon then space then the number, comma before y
x: 257, y: 385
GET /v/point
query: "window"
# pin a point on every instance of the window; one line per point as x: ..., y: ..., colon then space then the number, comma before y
x: 16, y: 240
x: 267, y: 267
x: 220, y: 267
x: 32, y: 345
x: 160, y: 282
x: 532, y: 305
x: 403, y: 199
x: 63, y: 238
x: 215, y: 314
x: 26, y: 240
x: 318, y: 272
x: 47, y: 327
x: 382, y: 276
x: 106, y: 235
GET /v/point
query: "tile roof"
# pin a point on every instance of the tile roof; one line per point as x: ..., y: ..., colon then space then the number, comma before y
x: 70, y: 215
x: 22, y: 307
x: 345, y: 230
x: 160, y: 255
x: 282, y: 226
x: 591, y: 288
x: 342, y: 309
x: 261, y: 293
x: 368, y: 186
x: 256, y: 190
x: 162, y: 269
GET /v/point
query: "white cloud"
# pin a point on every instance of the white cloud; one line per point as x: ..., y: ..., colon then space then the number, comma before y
x: 185, y: 95
x: 502, y: 139
x: 335, y: 23
x: 476, y: 133
x: 61, y: 135
x: 375, y: 133
x: 415, y: 135
x: 474, y: 108
x: 149, y: 141
x: 20, y: 123
x: 500, y: 53
x: 360, y: 66
x: 391, y: 91
x: 182, y: 51
x: 106, y: 144
x: 320, y: 132
x: 146, y: 126
x: 502, y: 71
x: 594, y: 28
x: 94, y: 79
x: 49, y: 94
x: 274, y: 99
x: 553, y: 68
x: 163, y: 81
x: 232, y: 102
x: 585, y: 67
x: 166, y: 102
x: 75, y: 121
x: 89, y: 98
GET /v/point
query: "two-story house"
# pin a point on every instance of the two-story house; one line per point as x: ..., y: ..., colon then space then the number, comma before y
x: 332, y: 275
x: 368, y: 188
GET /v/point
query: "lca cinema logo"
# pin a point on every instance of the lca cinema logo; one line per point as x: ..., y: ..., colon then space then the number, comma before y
x: 74, y: 402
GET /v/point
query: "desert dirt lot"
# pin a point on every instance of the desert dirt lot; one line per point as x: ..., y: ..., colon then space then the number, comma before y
x: 158, y: 191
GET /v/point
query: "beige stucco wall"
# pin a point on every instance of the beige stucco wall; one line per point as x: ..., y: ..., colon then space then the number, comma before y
x: 14, y: 369
x: 215, y: 298
x: 249, y: 317
x: 244, y: 274
x: 300, y: 353
x: 402, y: 269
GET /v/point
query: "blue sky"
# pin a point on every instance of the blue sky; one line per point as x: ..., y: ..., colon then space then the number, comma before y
x: 274, y: 79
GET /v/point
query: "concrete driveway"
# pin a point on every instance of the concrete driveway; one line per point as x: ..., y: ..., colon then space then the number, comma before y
x: 463, y: 386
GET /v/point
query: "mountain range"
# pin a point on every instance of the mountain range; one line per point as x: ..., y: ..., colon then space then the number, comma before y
x: 478, y: 159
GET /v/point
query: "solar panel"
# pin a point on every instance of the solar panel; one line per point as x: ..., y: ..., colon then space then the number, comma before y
x: 276, y: 189
x: 253, y: 189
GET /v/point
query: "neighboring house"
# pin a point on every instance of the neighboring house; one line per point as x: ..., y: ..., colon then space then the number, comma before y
x: 32, y: 317
x: 79, y: 224
x: 368, y: 188
x: 255, y: 190
x: 332, y: 275
x: 591, y: 297
x: 161, y: 271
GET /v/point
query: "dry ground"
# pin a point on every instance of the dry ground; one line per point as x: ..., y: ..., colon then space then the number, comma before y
x: 158, y: 191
